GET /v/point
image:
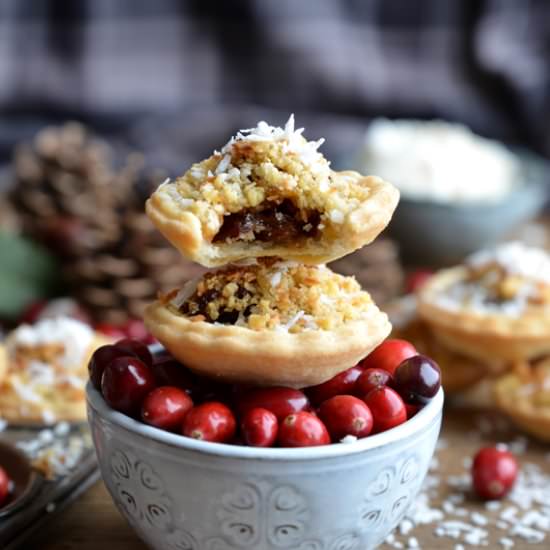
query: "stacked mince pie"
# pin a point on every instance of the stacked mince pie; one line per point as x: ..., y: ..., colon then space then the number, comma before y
x: 268, y: 212
x: 489, y: 320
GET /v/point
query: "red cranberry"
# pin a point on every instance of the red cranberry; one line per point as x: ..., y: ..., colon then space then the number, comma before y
x: 389, y: 354
x: 302, y: 429
x: 166, y: 407
x: 494, y: 473
x: 417, y: 379
x: 342, y: 383
x: 346, y: 415
x: 100, y: 359
x: 137, y: 348
x: 259, y: 428
x: 387, y: 408
x: 125, y: 383
x: 136, y: 329
x: 412, y: 409
x: 169, y: 372
x: 4, y: 486
x: 212, y: 421
x: 417, y: 279
x: 116, y: 333
x: 370, y: 379
x: 280, y: 401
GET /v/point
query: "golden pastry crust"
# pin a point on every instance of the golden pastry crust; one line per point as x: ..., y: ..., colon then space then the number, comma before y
x: 489, y: 335
x: 524, y: 396
x: 25, y: 399
x: 273, y: 195
x: 269, y: 323
x: 266, y: 357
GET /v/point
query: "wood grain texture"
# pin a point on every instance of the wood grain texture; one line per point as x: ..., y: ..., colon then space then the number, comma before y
x: 93, y: 522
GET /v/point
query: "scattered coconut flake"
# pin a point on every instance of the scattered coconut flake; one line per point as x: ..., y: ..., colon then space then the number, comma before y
x: 336, y: 216
x: 348, y: 439
x: 224, y: 164
x: 405, y: 527
x: 478, y: 519
x: 276, y: 279
x: 186, y: 292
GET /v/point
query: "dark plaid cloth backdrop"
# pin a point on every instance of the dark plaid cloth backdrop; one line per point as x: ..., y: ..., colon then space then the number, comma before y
x: 203, y: 67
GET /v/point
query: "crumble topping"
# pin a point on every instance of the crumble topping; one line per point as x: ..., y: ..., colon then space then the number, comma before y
x: 256, y: 172
x: 507, y: 280
x: 46, y: 366
x: 273, y: 295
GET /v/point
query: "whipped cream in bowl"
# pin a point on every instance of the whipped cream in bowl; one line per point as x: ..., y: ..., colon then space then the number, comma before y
x: 460, y: 192
x: 440, y: 161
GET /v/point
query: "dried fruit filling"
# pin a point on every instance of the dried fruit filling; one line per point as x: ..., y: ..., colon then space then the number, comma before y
x: 283, y: 223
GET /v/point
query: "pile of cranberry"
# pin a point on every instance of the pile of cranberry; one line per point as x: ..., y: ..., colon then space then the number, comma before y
x: 384, y: 390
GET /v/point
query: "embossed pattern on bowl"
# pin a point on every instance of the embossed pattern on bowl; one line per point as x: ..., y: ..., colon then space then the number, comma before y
x: 181, y: 494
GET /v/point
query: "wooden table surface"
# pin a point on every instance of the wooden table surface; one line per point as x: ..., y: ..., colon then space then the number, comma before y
x: 93, y: 522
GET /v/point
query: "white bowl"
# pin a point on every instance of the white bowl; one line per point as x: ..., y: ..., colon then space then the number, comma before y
x: 182, y: 494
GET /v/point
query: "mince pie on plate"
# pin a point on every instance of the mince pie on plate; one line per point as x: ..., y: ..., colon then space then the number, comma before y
x: 494, y: 308
x: 270, y: 322
x: 269, y: 192
x: 46, y: 371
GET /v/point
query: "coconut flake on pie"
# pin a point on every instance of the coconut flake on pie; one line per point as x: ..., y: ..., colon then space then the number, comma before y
x: 271, y: 322
x: 508, y: 280
x: 270, y: 192
x: 273, y: 295
x: 46, y: 371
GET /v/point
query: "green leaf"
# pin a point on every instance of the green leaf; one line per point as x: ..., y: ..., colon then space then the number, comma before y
x: 27, y: 273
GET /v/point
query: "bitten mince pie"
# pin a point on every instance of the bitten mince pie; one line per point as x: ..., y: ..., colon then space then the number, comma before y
x: 270, y: 322
x: 46, y: 372
x: 269, y: 192
x: 496, y: 306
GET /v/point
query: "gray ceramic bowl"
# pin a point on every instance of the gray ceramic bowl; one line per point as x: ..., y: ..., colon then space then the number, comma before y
x: 182, y: 494
x: 435, y: 234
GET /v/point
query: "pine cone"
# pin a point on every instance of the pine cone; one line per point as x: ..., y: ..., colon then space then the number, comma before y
x: 72, y: 198
x: 377, y: 268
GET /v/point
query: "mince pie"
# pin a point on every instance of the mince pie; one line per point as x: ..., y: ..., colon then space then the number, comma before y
x: 269, y: 322
x: 494, y: 308
x: 46, y: 371
x: 269, y: 192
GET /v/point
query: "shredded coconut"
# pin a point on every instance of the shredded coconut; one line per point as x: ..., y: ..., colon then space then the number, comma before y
x: 307, y: 151
x: 516, y: 258
x: 75, y: 336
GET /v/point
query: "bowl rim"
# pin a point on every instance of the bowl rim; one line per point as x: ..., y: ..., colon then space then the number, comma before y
x: 422, y: 420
